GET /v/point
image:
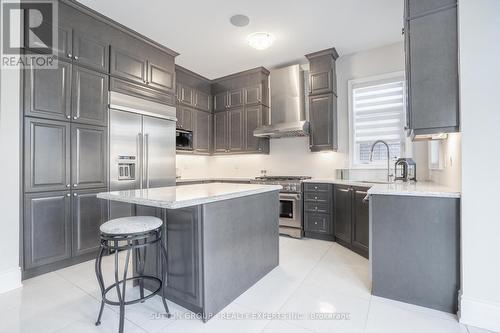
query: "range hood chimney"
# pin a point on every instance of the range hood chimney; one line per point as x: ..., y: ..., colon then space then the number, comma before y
x: 287, y: 105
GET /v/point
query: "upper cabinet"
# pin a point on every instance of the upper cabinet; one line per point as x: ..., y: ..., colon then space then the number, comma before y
x: 192, y: 90
x: 241, y: 105
x: 128, y: 66
x: 323, y: 100
x: 431, y: 49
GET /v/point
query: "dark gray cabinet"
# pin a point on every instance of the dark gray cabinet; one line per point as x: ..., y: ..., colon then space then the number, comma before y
x: 202, y: 132
x: 360, y: 222
x: 318, y: 219
x: 431, y: 48
x: 88, y: 213
x: 47, y: 93
x: 89, y: 97
x: 160, y: 78
x: 255, y: 116
x: 253, y: 95
x: 221, y: 101
x: 46, y: 155
x: 140, y: 68
x: 323, y: 100
x: 185, y: 117
x: 235, y: 129
x: 90, y: 51
x: 421, y: 7
x: 128, y: 66
x: 202, y: 101
x: 220, y: 132
x: 47, y: 228
x: 323, y: 118
x: 186, y: 94
x: 351, y: 215
x: 89, y: 156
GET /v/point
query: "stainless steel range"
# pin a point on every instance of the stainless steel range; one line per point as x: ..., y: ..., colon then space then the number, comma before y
x: 290, y: 202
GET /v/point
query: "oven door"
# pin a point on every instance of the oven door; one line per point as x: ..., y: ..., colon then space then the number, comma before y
x: 290, y: 210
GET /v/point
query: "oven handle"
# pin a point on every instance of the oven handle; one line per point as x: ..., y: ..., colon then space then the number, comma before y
x: 290, y: 196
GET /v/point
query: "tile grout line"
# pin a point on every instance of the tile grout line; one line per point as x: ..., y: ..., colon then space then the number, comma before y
x: 368, y: 314
x: 298, y: 286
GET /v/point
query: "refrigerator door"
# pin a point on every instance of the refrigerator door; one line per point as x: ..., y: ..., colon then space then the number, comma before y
x: 159, y: 152
x: 125, y: 167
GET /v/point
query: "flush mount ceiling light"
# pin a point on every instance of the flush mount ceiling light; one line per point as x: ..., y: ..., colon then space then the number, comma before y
x: 239, y: 20
x: 260, y: 40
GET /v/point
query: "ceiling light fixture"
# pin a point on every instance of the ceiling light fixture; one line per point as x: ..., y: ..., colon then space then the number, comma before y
x: 260, y: 40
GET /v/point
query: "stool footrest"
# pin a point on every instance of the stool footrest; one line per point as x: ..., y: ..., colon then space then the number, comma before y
x: 137, y: 300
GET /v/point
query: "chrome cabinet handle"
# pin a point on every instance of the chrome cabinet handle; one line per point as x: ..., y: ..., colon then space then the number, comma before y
x: 68, y: 117
x: 75, y: 195
x: 75, y: 185
x: 75, y: 118
x: 70, y: 55
x: 76, y: 57
x: 67, y: 194
x: 68, y: 185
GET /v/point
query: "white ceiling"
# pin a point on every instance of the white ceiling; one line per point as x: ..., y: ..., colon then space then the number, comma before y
x: 209, y: 45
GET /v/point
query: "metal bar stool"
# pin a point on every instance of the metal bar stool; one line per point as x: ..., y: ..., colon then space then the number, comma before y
x: 130, y: 233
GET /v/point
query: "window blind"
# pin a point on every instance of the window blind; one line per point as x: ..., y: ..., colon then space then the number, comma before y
x: 378, y: 112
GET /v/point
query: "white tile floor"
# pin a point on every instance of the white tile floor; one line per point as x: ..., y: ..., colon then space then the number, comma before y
x: 313, y: 277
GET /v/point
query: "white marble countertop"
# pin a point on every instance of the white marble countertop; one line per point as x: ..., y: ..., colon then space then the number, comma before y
x: 211, y: 179
x: 422, y: 189
x: 173, y: 197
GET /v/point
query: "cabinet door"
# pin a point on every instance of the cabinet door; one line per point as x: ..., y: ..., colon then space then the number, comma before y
x: 187, y: 95
x: 160, y: 77
x: 64, y: 42
x: 253, y: 95
x: 89, y: 213
x: 321, y: 82
x: 235, y: 129
x: 187, y: 118
x: 235, y: 98
x: 433, y: 81
x: 323, y: 115
x: 220, y: 101
x: 419, y: 7
x: 342, y: 197
x: 318, y: 223
x: 90, y: 51
x: 48, y: 92
x: 178, y: 114
x: 46, y: 155
x: 128, y: 66
x: 47, y: 236
x: 89, y: 156
x: 89, y: 97
x: 253, y: 116
x: 360, y: 223
x: 202, y: 137
x: 220, y: 132
x: 202, y: 101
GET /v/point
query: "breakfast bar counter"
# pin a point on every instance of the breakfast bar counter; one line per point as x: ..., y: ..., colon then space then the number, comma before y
x: 221, y: 239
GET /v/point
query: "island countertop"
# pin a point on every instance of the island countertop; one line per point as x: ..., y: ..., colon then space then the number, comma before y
x: 173, y: 197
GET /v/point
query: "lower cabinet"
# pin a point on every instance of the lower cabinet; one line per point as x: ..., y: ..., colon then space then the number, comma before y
x: 89, y: 213
x: 46, y: 228
x: 318, y: 221
x: 351, y: 216
x: 61, y: 226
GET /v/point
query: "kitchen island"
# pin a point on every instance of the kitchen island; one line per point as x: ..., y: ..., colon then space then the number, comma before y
x: 220, y: 238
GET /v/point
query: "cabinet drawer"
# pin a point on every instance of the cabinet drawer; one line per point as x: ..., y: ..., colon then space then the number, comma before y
x: 317, y: 196
x: 313, y: 187
x: 318, y: 207
x: 319, y: 223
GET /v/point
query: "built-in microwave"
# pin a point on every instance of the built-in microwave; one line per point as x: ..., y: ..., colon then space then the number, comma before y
x: 183, y: 140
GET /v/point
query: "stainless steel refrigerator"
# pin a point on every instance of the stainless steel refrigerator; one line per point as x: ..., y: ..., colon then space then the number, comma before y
x: 142, y: 147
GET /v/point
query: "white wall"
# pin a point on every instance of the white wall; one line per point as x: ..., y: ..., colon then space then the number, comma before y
x: 480, y: 108
x: 450, y: 175
x: 291, y: 156
x: 10, y: 274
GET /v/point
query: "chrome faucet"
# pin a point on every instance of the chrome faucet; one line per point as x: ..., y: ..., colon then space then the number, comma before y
x: 389, y: 176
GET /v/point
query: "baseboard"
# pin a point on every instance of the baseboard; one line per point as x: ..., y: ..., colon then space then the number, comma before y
x: 10, y: 279
x: 479, y: 313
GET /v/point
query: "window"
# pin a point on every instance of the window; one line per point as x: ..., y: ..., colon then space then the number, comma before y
x: 376, y: 112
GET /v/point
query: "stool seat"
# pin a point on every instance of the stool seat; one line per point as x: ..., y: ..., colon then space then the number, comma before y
x: 131, y: 225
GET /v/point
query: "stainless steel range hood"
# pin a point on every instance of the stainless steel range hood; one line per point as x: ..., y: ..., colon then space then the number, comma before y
x: 287, y: 105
